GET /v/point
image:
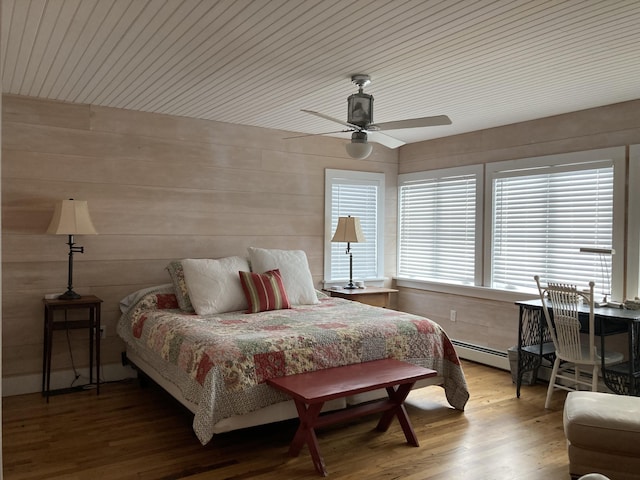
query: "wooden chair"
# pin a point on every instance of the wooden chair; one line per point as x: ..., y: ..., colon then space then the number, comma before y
x: 572, y: 352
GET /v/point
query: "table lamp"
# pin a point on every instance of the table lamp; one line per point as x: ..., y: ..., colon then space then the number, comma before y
x: 604, y: 270
x: 71, y: 217
x: 348, y: 230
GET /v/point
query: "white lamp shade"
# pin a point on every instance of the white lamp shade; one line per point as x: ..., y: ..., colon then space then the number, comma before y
x: 71, y: 217
x: 358, y: 150
x: 348, y: 230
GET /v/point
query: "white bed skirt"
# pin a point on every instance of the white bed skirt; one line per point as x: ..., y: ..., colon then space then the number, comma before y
x: 270, y: 414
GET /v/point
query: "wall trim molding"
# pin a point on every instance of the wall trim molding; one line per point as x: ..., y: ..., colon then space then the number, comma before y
x: 483, y: 355
x: 24, y: 384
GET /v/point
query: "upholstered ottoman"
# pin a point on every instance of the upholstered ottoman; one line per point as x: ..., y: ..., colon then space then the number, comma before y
x: 603, y: 434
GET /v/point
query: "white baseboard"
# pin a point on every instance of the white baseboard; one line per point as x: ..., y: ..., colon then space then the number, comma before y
x: 22, y: 384
x: 485, y: 356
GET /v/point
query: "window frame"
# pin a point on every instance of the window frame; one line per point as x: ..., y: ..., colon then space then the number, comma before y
x: 614, y: 155
x: 471, y: 170
x: 632, y: 287
x: 353, y: 177
x: 625, y: 278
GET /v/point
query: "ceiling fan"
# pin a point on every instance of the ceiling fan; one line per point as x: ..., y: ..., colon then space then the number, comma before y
x: 360, y: 122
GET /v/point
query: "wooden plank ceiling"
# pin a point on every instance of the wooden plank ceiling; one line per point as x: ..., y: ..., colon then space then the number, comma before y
x: 484, y: 63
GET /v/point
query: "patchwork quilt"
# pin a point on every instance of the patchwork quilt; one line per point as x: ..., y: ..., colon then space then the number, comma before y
x: 221, y: 362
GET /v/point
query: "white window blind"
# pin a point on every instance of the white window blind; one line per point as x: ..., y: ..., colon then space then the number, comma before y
x: 358, y: 194
x: 541, y: 219
x: 437, y: 227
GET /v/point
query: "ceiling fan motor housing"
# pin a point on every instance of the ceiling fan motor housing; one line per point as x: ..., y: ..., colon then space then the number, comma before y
x: 360, y: 122
x: 360, y: 109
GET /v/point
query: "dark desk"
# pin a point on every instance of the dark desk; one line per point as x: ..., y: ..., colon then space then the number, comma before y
x: 91, y: 304
x: 534, y: 343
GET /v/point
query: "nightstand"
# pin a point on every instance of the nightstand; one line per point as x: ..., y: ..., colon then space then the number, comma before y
x: 376, y: 296
x: 91, y: 304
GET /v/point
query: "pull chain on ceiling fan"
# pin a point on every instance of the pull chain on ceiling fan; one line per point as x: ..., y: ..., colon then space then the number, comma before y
x: 360, y: 122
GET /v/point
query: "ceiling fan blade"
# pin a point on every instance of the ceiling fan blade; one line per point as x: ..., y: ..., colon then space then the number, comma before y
x: 327, y: 117
x: 315, y: 134
x: 412, y: 123
x: 384, y: 139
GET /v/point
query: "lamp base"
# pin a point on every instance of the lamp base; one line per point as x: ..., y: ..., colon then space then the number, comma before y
x: 69, y: 295
x: 602, y: 303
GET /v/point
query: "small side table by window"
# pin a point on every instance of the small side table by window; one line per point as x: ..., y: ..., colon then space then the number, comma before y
x: 376, y: 296
x: 91, y: 304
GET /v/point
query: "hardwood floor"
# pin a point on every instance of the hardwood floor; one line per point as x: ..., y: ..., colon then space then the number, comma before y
x: 130, y: 432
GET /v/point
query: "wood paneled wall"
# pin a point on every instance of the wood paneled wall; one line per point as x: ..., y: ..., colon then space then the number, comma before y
x: 480, y: 320
x: 162, y: 188
x: 159, y: 188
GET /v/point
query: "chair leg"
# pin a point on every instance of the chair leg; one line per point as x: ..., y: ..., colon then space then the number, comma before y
x: 576, y: 373
x: 594, y: 379
x: 552, y: 382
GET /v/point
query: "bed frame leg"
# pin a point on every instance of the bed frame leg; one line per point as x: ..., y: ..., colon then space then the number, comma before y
x: 143, y: 379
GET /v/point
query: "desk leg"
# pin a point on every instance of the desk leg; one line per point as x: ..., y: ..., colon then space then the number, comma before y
x: 615, y: 378
x: 46, y: 354
x: 98, y: 341
x: 532, y: 332
x: 634, y: 358
x: 49, y: 350
x: 397, y: 396
x: 92, y: 327
x: 611, y: 379
x: 306, y: 434
x: 519, y: 372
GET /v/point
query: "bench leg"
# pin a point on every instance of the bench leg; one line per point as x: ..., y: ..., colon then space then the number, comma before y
x: 397, y: 396
x: 307, y: 434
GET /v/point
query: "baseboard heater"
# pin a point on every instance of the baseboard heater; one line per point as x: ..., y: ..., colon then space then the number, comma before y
x: 484, y: 355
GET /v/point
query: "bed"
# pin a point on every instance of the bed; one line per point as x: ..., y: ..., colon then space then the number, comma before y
x: 216, y: 361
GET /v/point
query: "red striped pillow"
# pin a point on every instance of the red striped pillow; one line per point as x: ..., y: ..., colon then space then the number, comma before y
x: 264, y: 291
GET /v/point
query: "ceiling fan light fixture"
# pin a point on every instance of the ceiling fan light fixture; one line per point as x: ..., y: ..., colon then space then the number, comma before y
x: 359, y: 148
x: 360, y: 121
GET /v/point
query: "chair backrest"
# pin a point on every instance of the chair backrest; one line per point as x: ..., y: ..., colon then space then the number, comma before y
x: 565, y: 301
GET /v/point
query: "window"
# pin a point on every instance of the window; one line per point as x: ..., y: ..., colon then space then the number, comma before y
x: 359, y: 194
x: 633, y: 227
x: 439, y: 225
x: 541, y: 219
x: 528, y: 217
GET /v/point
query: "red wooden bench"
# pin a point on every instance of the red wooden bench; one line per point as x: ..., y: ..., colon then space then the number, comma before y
x: 310, y: 391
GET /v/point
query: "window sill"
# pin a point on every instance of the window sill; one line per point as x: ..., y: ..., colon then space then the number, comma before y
x: 371, y: 282
x: 465, y: 290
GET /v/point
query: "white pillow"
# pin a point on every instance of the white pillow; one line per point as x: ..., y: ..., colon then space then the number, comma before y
x: 127, y: 302
x: 294, y: 268
x: 214, y: 285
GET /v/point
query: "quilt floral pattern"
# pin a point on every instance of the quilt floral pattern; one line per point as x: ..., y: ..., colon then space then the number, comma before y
x: 222, y: 361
